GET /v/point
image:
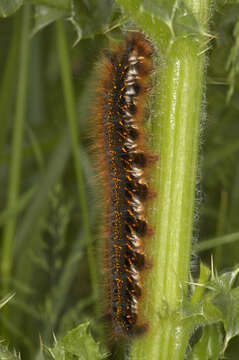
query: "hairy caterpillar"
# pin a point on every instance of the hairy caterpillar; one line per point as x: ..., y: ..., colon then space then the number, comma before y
x: 122, y: 90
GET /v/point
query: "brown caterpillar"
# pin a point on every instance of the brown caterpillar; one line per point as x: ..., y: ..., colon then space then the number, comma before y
x: 123, y: 88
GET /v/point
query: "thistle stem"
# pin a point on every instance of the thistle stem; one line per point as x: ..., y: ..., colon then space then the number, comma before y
x: 175, y: 132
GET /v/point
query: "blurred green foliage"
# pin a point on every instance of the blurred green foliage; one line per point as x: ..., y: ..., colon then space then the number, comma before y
x: 50, y: 272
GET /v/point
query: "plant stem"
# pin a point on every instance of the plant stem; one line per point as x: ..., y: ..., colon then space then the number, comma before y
x: 7, y: 82
x: 217, y: 241
x: 176, y: 135
x: 73, y: 128
x: 16, y: 157
x: 176, y: 130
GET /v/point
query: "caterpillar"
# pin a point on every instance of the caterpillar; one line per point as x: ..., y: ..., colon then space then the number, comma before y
x: 122, y: 91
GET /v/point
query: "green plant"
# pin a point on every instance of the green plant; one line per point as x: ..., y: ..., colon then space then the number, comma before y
x: 49, y: 234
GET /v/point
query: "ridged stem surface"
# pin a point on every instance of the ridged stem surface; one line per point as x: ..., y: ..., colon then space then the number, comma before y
x: 14, y: 177
x: 175, y: 132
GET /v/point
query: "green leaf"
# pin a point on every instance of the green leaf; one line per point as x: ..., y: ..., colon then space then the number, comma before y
x: 225, y: 299
x: 209, y: 345
x: 228, y: 303
x: 200, y: 286
x: 145, y: 17
x: 220, y: 303
x: 78, y: 344
x: 163, y: 9
x: 223, y: 283
x: 200, y: 314
x: 176, y: 15
x: 57, y: 4
x: 8, y: 7
x: 91, y: 17
x: 5, y: 354
x: 88, y: 18
x: 45, y: 15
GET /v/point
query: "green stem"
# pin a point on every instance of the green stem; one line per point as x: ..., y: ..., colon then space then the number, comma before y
x: 7, y: 83
x: 23, y: 201
x: 176, y: 130
x: 176, y: 135
x: 221, y: 240
x: 16, y: 157
x: 73, y: 128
